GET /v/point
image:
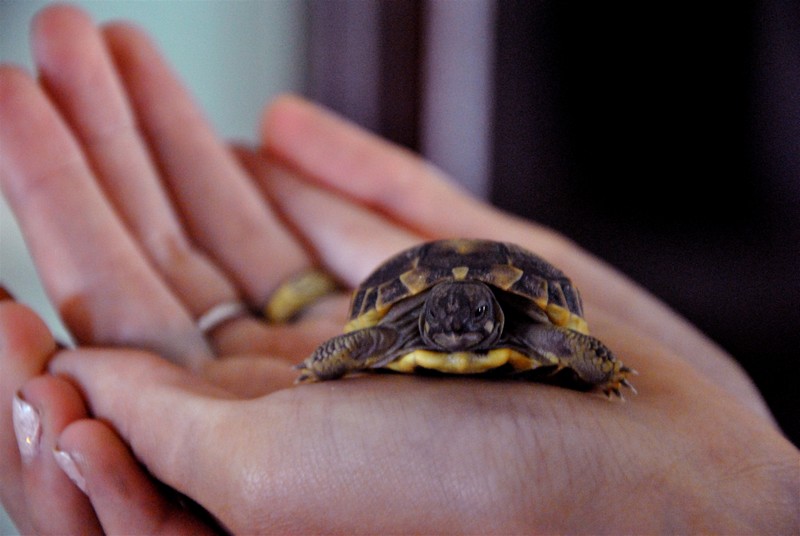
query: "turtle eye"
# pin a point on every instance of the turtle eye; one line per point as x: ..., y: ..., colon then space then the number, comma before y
x: 480, y: 310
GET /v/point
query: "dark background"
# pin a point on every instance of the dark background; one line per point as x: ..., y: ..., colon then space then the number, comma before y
x: 663, y: 137
x: 666, y: 139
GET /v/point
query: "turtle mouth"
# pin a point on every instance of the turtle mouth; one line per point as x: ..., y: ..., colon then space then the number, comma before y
x: 454, y: 342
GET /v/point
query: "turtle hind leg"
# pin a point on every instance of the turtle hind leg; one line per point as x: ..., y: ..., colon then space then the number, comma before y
x: 350, y: 352
x: 587, y: 356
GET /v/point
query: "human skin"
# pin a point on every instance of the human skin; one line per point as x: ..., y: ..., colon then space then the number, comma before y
x: 139, y: 219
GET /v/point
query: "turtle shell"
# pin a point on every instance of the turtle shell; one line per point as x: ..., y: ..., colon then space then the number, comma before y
x: 502, y: 265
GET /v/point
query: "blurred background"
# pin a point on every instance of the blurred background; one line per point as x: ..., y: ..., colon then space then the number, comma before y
x: 664, y: 138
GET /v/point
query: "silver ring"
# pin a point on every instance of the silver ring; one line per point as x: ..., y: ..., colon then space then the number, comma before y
x: 219, y: 314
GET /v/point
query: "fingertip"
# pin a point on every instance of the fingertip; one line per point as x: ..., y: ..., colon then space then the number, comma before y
x: 56, y: 399
x: 42, y: 407
x: 125, y: 36
x: 69, y: 464
x: 55, y: 16
x: 55, y: 31
x: 289, y: 121
x: 123, y: 28
x: 93, y: 456
x: 291, y: 100
x: 55, y: 506
x: 283, y: 106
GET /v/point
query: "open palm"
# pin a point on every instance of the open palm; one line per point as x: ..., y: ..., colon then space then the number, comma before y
x: 140, y: 220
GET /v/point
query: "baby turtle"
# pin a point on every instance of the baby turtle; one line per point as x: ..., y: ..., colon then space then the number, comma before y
x: 465, y: 307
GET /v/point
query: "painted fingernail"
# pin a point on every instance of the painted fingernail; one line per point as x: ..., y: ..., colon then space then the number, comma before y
x: 67, y: 464
x: 27, y: 427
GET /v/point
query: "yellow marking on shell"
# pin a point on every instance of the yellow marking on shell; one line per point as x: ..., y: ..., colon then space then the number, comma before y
x: 557, y: 314
x: 407, y: 363
x: 368, y: 319
x: 541, y: 302
x: 578, y: 324
x: 504, y: 276
x: 562, y: 317
x: 517, y: 360
x: 460, y: 272
x: 463, y: 245
x: 451, y: 363
x: 462, y: 362
x: 415, y: 280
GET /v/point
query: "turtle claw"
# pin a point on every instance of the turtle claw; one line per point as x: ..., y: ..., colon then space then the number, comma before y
x: 305, y: 376
x: 609, y: 391
x: 613, y: 388
x: 629, y: 385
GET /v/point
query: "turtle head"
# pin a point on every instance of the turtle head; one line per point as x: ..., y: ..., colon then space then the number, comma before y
x: 460, y: 316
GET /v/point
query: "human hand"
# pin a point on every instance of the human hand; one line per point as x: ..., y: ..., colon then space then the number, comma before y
x: 399, y: 453
x: 94, y: 160
x: 380, y: 453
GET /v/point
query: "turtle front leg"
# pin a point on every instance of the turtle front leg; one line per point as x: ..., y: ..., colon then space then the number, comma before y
x: 351, y: 352
x: 591, y: 360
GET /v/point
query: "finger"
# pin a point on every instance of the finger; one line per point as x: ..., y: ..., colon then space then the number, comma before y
x: 125, y: 497
x: 105, y: 290
x: 44, y: 407
x: 222, y: 210
x: 328, y: 149
x: 76, y: 68
x: 351, y: 240
x: 25, y: 347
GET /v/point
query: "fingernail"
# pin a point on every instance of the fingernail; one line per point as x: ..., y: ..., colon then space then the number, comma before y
x: 67, y: 464
x: 27, y: 428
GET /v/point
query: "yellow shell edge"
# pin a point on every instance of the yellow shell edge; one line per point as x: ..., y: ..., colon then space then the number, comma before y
x: 461, y: 362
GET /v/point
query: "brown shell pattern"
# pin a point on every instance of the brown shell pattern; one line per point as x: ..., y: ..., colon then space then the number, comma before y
x: 499, y: 264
